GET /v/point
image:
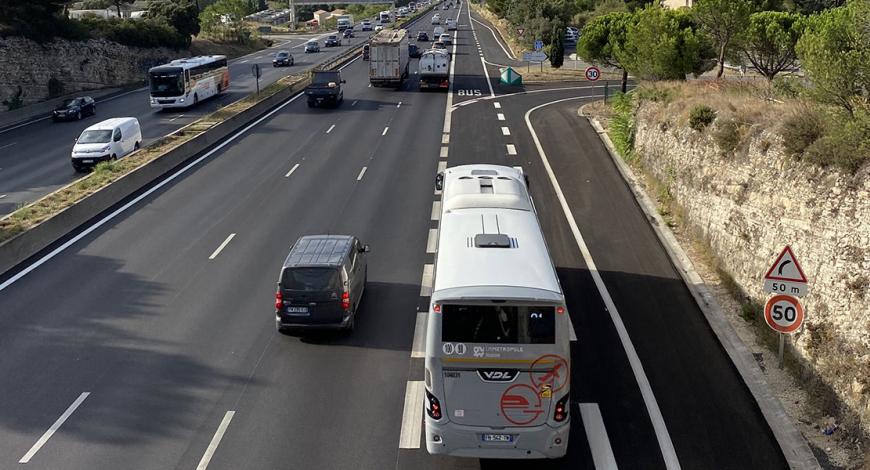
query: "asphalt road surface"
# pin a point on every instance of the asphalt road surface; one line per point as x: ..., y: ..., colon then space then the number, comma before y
x: 150, y: 342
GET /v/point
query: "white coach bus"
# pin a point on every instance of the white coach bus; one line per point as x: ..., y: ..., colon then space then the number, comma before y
x: 185, y: 82
x: 497, y: 379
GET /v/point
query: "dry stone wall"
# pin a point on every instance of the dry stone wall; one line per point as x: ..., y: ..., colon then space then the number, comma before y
x: 77, y: 66
x: 749, y: 204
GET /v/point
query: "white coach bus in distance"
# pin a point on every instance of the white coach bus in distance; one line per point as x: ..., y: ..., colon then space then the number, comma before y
x: 497, y: 378
x: 185, y: 82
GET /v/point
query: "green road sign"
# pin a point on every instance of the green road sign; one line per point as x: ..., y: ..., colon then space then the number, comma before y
x: 510, y: 76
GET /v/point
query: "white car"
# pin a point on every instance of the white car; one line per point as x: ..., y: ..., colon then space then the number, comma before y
x: 379, y: 27
x: 451, y: 24
x: 437, y: 33
x: 446, y: 39
x: 366, y: 25
x: 436, y: 19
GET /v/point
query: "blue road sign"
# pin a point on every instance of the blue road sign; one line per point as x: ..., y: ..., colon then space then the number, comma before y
x: 539, y: 44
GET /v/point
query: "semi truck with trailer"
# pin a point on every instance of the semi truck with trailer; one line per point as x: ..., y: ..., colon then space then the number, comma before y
x: 388, y: 58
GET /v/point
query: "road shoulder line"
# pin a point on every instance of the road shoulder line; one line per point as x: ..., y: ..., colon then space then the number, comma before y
x: 792, y: 443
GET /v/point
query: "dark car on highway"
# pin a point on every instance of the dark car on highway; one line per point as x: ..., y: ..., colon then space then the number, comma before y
x: 332, y: 41
x: 282, y: 58
x: 422, y: 36
x: 414, y: 51
x: 348, y: 33
x: 74, y: 108
x: 321, y: 283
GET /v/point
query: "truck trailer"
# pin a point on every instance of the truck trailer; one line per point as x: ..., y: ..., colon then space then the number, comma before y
x: 435, y: 69
x: 388, y: 58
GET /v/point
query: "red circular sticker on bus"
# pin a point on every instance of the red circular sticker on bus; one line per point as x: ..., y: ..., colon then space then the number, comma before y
x: 520, y: 404
x: 556, y: 378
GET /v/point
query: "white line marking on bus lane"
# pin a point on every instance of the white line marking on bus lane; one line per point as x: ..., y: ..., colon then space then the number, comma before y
x: 496, y: 104
x: 500, y: 116
x: 222, y: 246
x: 215, y: 440
x: 505, y: 131
x: 426, y: 282
x: 666, y: 446
x: 385, y: 130
x: 442, y: 166
x: 444, y: 151
x: 359, y: 177
x: 57, y: 424
x: 412, y: 416
x: 596, y: 435
x: 436, y: 210
x: 418, y: 347
x: 432, y: 241
x: 291, y: 170
x: 511, y: 149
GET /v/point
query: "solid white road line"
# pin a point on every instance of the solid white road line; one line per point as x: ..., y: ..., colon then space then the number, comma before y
x: 442, y: 166
x: 54, y: 427
x: 8, y: 145
x: 666, y: 446
x: 436, y: 210
x: 505, y: 131
x: 444, y: 151
x: 215, y: 441
x: 2, y: 196
x: 330, y: 128
x: 445, y: 138
x: 176, y: 118
x: 511, y: 149
x: 449, y: 108
x: 243, y: 61
x: 291, y: 170
x: 142, y: 196
x: 418, y: 347
x: 222, y: 246
x: 482, y: 61
x: 361, y: 173
x: 412, y: 416
x: 385, y: 130
x: 494, y: 36
x: 496, y: 104
x: 500, y: 116
x: 432, y: 241
x: 426, y: 282
x: 596, y: 435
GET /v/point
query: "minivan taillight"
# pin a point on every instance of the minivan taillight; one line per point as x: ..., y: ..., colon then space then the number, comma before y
x: 561, y: 413
x: 279, y: 300
x: 345, y: 300
x: 434, y: 408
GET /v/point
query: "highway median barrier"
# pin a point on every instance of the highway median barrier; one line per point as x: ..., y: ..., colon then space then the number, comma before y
x: 36, y: 226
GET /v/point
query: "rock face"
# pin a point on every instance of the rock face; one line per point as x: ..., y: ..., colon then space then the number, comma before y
x: 76, y: 66
x: 749, y: 204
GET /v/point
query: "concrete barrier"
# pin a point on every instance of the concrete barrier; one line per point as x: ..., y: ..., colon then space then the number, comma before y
x: 24, y: 245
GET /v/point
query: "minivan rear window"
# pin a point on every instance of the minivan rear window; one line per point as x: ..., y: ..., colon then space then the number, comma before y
x: 310, y: 279
x: 501, y: 324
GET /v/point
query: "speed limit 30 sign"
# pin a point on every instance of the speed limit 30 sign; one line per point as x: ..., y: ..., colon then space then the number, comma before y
x: 784, y: 313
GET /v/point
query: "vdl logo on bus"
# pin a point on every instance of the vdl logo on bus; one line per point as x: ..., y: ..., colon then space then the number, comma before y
x: 498, y: 375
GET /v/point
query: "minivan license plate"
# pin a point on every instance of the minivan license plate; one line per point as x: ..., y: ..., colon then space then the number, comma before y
x: 498, y: 438
x: 298, y: 310
x: 87, y: 161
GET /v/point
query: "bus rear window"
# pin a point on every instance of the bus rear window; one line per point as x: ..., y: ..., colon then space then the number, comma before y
x: 501, y: 324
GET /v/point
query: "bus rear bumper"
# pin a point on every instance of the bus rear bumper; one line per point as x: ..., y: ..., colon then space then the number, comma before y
x: 537, y: 442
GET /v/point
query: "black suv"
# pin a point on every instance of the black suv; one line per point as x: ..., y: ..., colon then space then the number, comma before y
x: 422, y: 36
x: 74, y: 108
x: 282, y: 58
x: 321, y: 283
x: 332, y: 41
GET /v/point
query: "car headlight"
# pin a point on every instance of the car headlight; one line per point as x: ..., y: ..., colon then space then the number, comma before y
x: 181, y: 100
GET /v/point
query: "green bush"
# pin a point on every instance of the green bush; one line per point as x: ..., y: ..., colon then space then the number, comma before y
x: 650, y: 92
x: 701, y: 116
x: 727, y: 135
x: 800, y: 130
x: 845, y: 146
x: 787, y: 87
x: 622, y: 124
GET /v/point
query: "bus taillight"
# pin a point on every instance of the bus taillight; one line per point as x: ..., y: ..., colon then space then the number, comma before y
x: 561, y: 412
x: 434, y: 408
x: 436, y: 308
x: 560, y: 310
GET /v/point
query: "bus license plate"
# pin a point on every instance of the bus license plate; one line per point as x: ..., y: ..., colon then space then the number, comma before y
x: 298, y: 310
x: 498, y: 438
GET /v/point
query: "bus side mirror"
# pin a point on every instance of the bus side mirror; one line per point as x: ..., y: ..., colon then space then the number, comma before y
x: 365, y: 249
x: 344, y: 81
x: 439, y: 181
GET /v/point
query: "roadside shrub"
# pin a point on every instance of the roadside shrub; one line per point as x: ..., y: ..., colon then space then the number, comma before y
x: 845, y: 146
x: 727, y: 135
x: 651, y: 92
x: 800, y: 130
x: 142, y: 32
x: 622, y: 124
x: 787, y: 87
x: 701, y: 116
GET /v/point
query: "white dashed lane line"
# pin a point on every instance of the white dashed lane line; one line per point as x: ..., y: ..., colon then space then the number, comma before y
x: 215, y: 440
x: 436, y: 210
x: 222, y: 246
x: 445, y: 138
x: 399, y: 105
x: 54, y: 427
x: 330, y: 128
x: 511, y: 149
x: 412, y: 422
x: 444, y: 151
x: 291, y: 170
x: 505, y: 131
x: 362, y: 172
x: 385, y: 130
x: 500, y: 116
x: 496, y: 104
x: 354, y: 102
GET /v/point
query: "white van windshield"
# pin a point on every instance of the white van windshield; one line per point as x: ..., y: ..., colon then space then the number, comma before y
x: 102, y: 136
x: 501, y: 324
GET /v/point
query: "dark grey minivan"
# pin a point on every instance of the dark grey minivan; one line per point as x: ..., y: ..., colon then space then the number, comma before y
x: 321, y: 283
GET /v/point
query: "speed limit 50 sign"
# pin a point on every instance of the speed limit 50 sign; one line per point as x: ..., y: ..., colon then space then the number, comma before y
x: 784, y: 313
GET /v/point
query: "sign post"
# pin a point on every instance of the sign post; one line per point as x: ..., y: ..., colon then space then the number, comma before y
x: 783, y: 312
x: 255, y: 71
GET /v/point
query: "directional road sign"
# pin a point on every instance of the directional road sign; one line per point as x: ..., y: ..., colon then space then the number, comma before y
x: 536, y: 56
x: 785, y: 276
x: 510, y: 76
x: 592, y: 73
x: 784, y: 313
x: 539, y: 44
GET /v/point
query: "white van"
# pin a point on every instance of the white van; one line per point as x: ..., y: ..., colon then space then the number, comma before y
x: 104, y: 141
x: 451, y: 24
x: 436, y: 34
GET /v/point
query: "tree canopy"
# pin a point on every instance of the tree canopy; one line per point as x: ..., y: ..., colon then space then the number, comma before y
x: 723, y: 20
x: 183, y: 15
x: 603, y: 37
x: 770, y: 39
